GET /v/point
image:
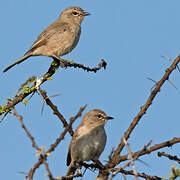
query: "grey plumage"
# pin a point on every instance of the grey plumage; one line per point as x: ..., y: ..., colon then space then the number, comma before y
x: 88, y: 141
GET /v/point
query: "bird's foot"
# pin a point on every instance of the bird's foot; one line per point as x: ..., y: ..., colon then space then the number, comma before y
x: 64, y: 63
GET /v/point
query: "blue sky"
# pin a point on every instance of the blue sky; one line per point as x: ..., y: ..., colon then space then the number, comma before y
x: 131, y: 36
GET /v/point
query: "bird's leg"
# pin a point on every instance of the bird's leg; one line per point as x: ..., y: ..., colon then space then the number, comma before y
x: 79, y: 166
x: 74, y: 170
x: 63, y: 62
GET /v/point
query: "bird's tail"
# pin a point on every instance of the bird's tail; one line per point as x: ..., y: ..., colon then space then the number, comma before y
x: 17, y: 62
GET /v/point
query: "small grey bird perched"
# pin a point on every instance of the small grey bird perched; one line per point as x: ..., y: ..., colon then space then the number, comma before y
x: 60, y: 38
x: 88, y: 141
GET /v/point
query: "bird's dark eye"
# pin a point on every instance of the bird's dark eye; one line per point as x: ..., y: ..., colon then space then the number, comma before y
x: 99, y: 116
x: 74, y: 13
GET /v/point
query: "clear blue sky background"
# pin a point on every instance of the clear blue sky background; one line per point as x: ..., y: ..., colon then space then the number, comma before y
x: 131, y: 36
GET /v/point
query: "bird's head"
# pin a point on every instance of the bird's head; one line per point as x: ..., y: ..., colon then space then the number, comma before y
x: 73, y: 14
x: 96, y: 117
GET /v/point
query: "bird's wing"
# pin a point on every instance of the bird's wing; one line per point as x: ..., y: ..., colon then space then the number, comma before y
x: 68, y: 161
x: 56, y: 27
x: 74, y: 138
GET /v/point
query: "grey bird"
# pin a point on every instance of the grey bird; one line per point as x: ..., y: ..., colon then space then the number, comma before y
x: 88, y: 141
x: 60, y: 38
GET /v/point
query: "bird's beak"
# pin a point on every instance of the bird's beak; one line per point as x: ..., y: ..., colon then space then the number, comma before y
x: 86, y: 14
x: 109, y: 118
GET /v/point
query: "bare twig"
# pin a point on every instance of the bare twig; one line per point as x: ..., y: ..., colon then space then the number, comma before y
x: 77, y: 174
x: 20, y: 118
x: 172, y: 84
x: 167, y: 58
x: 117, y: 170
x: 110, y: 155
x: 131, y: 158
x: 36, y: 165
x: 100, y: 65
x: 143, y: 175
x: 30, y: 80
x: 169, y: 143
x: 153, y: 82
x: 42, y: 109
x: 55, y: 110
x: 48, y: 170
x: 175, y: 158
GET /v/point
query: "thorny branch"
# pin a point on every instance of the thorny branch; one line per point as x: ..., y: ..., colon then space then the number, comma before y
x: 100, y: 65
x: 144, y: 108
x: 53, y: 68
x: 117, y: 170
x: 116, y: 159
x: 103, y: 175
x: 169, y: 143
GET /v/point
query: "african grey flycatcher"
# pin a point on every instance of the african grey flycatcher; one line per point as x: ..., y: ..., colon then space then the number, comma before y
x: 60, y: 38
x: 88, y: 141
